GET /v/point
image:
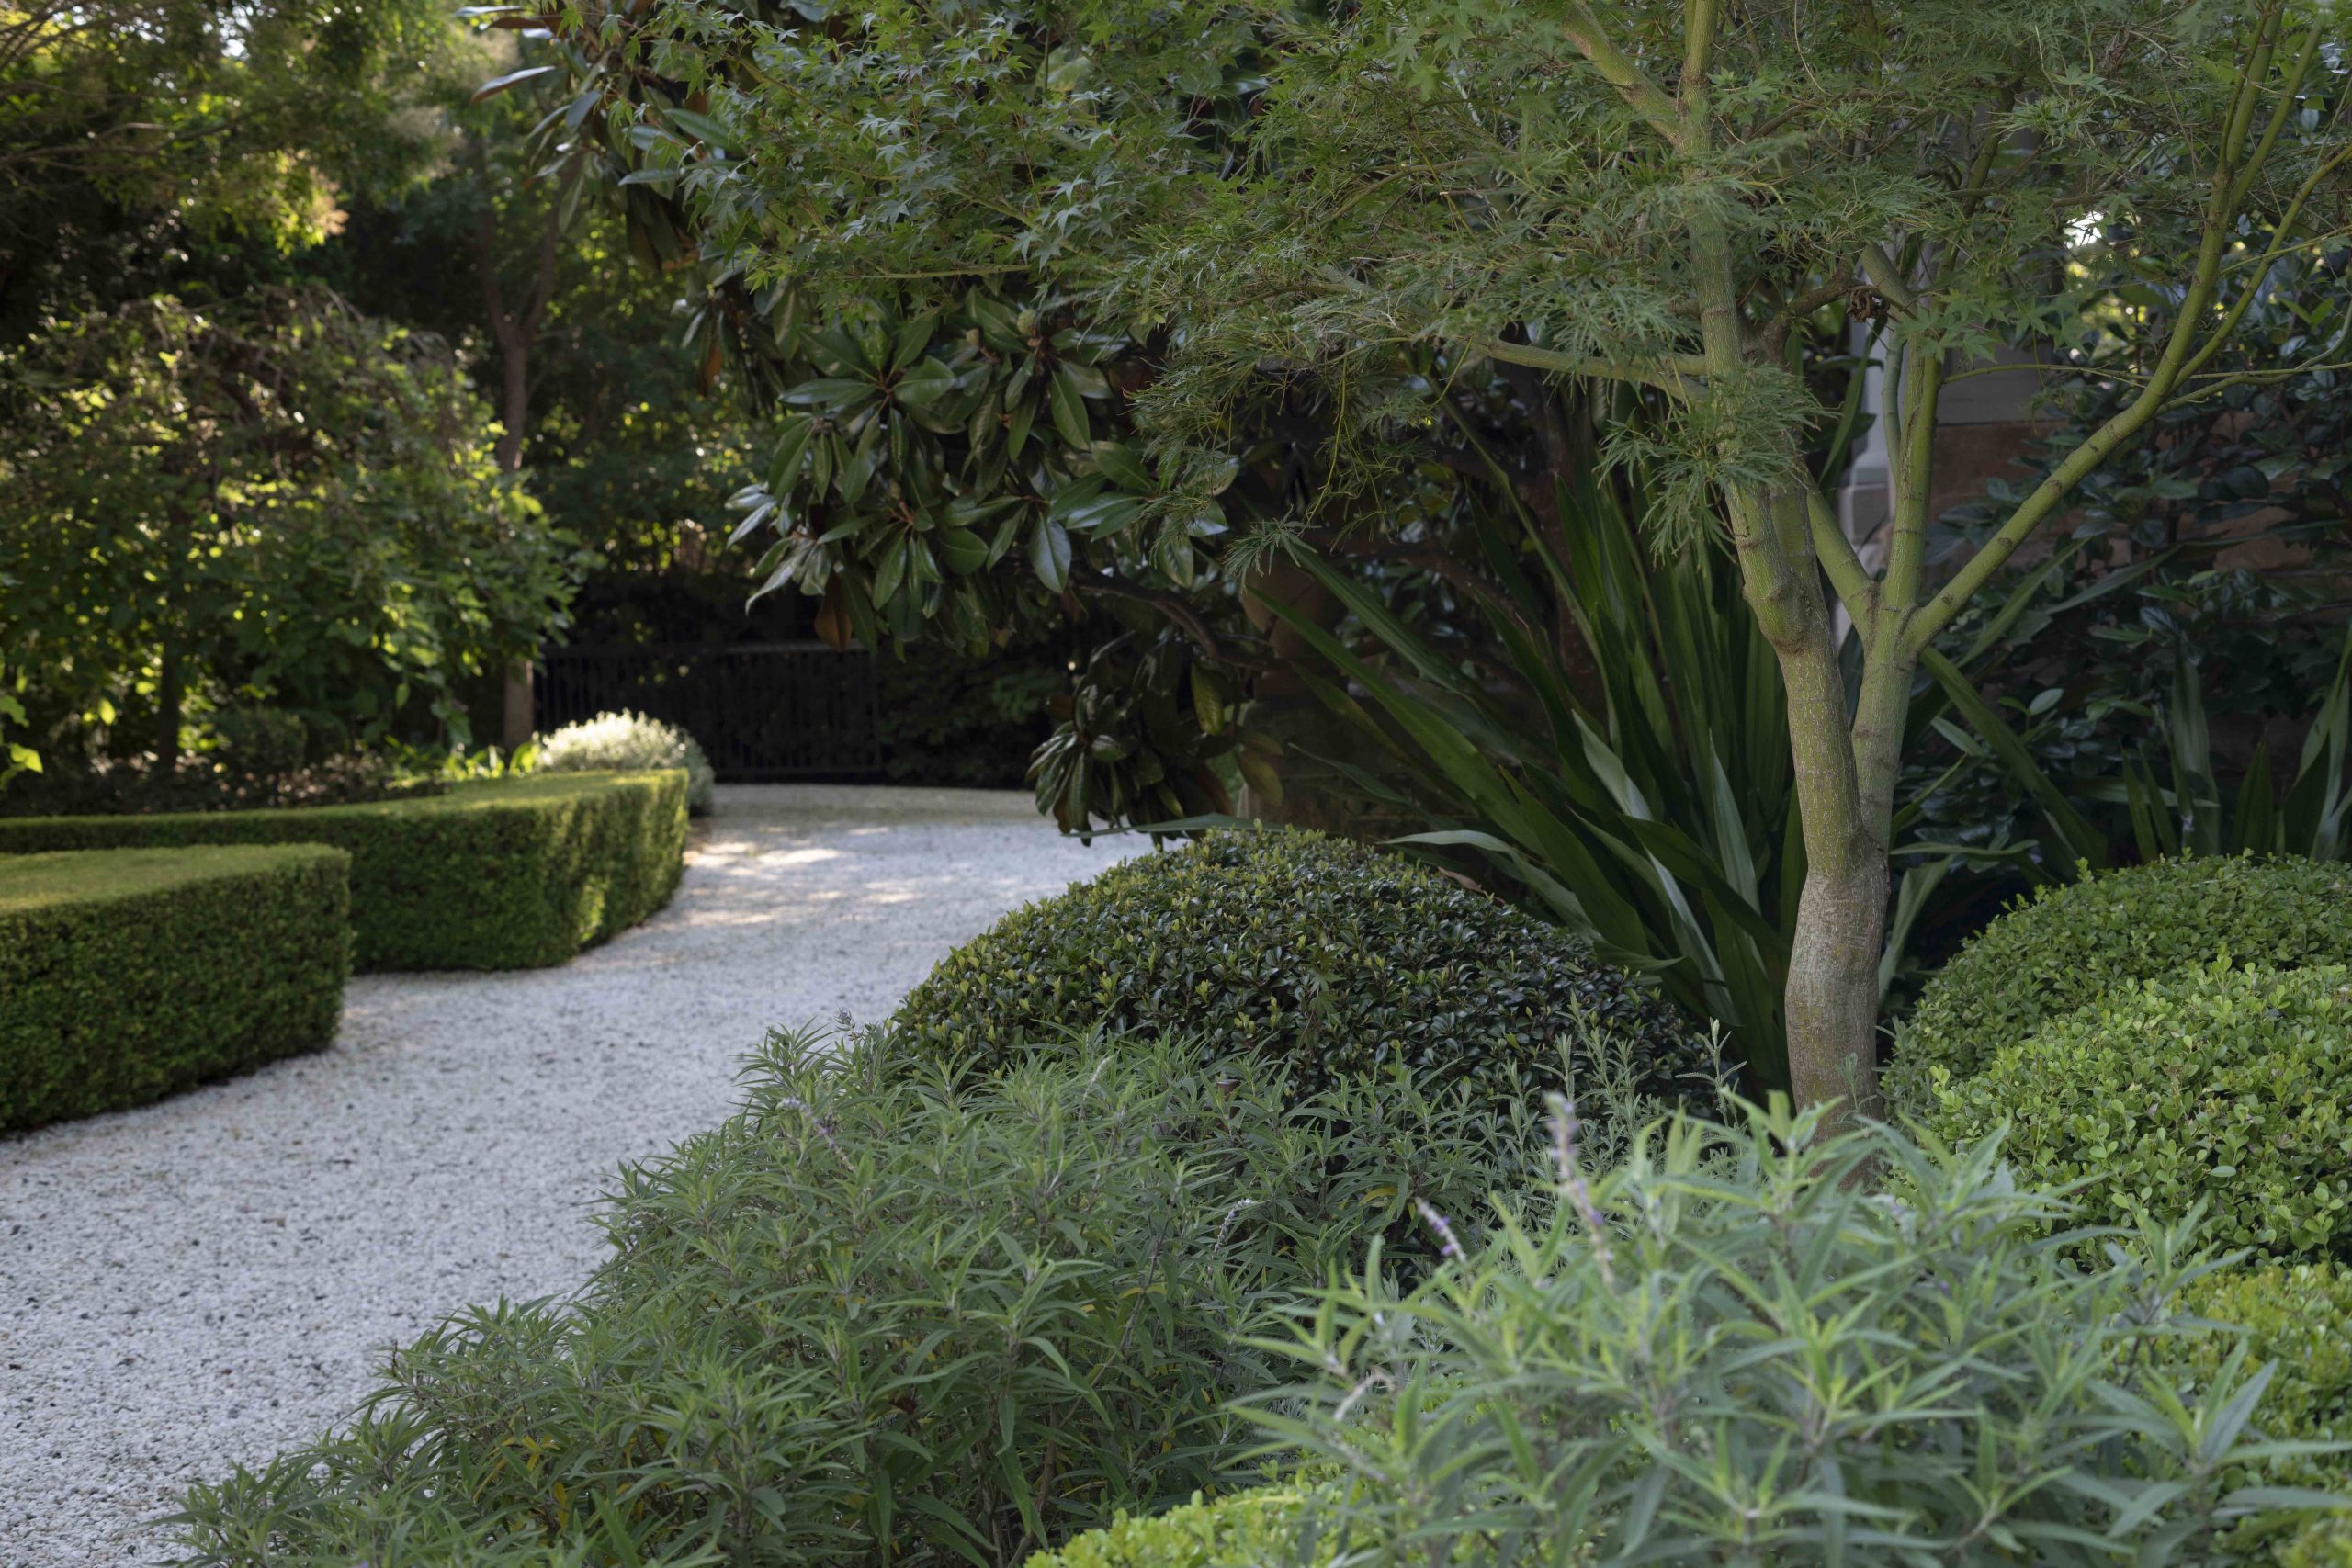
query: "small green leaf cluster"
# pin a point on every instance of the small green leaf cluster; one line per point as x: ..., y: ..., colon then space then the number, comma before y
x: 1330, y: 957
x: 627, y: 743
x: 2066, y: 947
x: 2300, y: 1317
x: 2230, y: 1088
x: 920, y: 453
x: 1765, y: 1344
x: 889, y: 1313
x: 125, y: 975
x: 1244, y: 1530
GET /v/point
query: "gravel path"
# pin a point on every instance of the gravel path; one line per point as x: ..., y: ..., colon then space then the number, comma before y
x: 206, y: 1280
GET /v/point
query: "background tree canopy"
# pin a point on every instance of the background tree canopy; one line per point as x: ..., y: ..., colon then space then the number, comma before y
x: 1425, y: 420
x: 141, y: 139
x: 1277, y: 206
x: 278, y: 503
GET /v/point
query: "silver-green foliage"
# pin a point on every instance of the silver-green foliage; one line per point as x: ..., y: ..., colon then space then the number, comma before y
x: 886, y: 1317
x: 1741, y: 1346
x: 630, y: 742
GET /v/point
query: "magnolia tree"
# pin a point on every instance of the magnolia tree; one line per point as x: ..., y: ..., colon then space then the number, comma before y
x: 1658, y: 195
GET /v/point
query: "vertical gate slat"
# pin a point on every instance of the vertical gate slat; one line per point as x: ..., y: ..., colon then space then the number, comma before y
x: 769, y: 711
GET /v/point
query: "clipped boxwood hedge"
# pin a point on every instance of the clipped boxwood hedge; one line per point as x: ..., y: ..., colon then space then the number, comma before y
x: 128, y: 974
x: 1330, y: 957
x: 2298, y: 1319
x: 1242, y: 1529
x: 516, y: 874
x: 2067, y: 946
x: 2232, y: 1086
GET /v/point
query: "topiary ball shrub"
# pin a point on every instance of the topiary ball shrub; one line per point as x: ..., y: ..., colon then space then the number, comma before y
x: 1332, y: 958
x: 630, y: 742
x: 2297, y: 1319
x: 1242, y: 1529
x: 2228, y: 1087
x: 2065, y: 946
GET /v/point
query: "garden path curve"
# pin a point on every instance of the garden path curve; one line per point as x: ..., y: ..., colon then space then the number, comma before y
x: 211, y: 1279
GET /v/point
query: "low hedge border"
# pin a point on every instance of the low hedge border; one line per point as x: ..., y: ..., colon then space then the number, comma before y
x: 516, y: 874
x: 128, y: 974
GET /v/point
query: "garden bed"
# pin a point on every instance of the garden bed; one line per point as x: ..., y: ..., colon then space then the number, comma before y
x: 507, y: 875
x: 125, y: 975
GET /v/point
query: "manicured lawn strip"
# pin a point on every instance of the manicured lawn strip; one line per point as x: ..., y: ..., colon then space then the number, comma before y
x: 512, y: 874
x: 125, y: 975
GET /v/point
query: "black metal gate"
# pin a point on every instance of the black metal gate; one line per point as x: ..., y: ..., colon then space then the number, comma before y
x: 761, y: 710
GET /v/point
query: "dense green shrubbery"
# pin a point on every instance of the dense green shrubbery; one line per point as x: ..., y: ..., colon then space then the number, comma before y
x: 882, y: 1317
x: 1329, y: 956
x: 510, y: 874
x: 268, y: 500
x: 1734, y: 1348
x: 128, y: 974
x: 2067, y: 946
x: 1246, y: 1529
x: 2300, y: 1318
x: 2231, y: 1088
x: 630, y: 742
x: 220, y: 780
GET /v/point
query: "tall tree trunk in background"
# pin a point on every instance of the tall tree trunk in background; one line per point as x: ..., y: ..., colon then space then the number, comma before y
x: 168, y: 703
x: 514, y: 332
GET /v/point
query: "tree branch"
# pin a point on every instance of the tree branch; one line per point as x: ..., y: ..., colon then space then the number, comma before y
x: 1844, y: 568
x: 1673, y: 373
x: 1182, y: 616
x: 1641, y: 95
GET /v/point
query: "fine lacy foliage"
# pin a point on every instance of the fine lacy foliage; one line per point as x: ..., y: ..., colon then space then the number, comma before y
x: 1329, y: 957
x: 2066, y: 947
x: 882, y: 1317
x: 2230, y: 1088
x: 1742, y: 1347
x: 629, y: 743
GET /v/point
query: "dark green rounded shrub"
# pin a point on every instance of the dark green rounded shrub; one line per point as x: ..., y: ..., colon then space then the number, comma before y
x: 2229, y: 1086
x: 1329, y: 956
x: 2067, y: 946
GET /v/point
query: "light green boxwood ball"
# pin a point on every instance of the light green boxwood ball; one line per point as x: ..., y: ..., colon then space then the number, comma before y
x: 2067, y: 946
x: 1332, y: 958
x: 2233, y: 1086
x: 2298, y: 1318
x: 1246, y: 1529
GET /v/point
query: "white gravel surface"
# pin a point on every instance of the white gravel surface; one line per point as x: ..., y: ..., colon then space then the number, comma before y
x: 206, y: 1280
